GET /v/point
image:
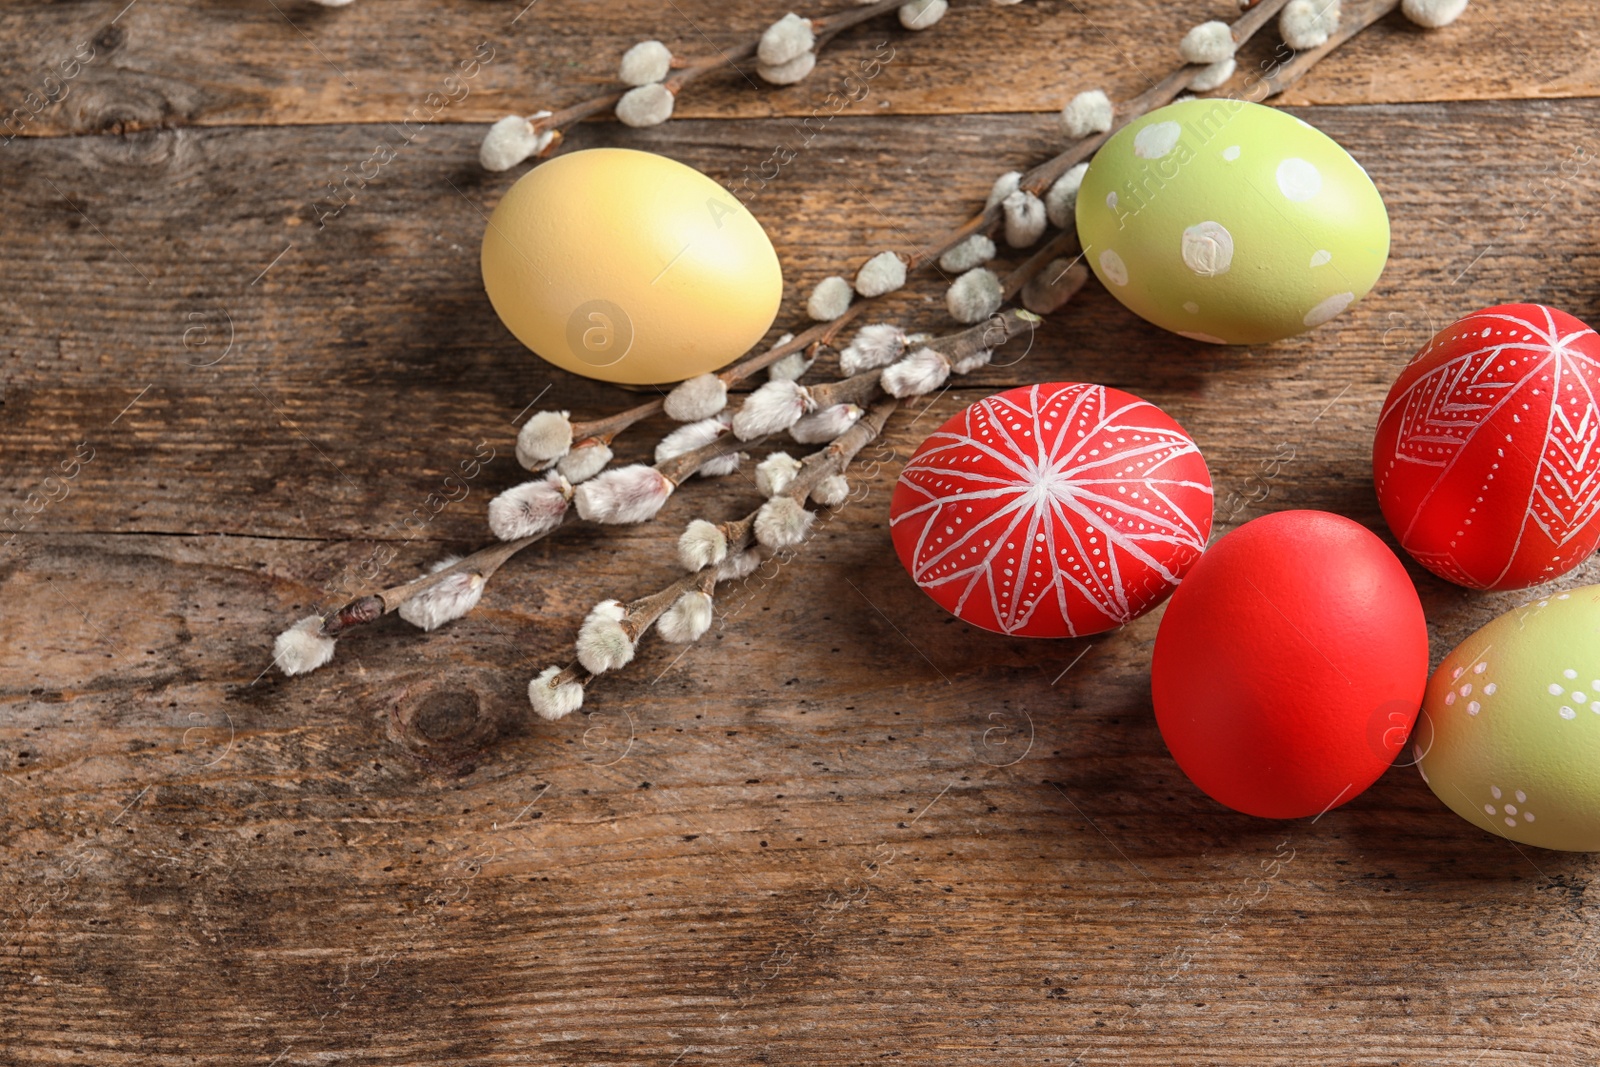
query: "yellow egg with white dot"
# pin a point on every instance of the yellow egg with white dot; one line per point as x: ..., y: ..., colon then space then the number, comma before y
x: 629, y: 267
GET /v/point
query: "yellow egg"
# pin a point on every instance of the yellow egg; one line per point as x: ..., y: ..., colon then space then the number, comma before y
x: 629, y: 267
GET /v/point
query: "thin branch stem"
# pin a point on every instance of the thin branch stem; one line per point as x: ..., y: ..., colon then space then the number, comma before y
x: 826, y: 28
x: 1292, y: 71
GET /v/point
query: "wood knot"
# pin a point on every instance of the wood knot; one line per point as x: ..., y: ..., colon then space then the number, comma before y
x: 446, y: 723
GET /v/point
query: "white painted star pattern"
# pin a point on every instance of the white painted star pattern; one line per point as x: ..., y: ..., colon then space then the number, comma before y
x: 1053, y: 510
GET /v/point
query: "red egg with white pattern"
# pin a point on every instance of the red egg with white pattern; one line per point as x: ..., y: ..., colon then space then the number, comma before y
x: 1487, y: 455
x: 1055, y: 510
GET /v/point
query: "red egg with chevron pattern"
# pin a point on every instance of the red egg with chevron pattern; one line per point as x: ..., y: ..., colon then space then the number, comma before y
x: 1054, y: 510
x: 1487, y: 457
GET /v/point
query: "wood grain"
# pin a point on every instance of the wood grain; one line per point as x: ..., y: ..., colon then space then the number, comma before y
x: 164, y: 63
x: 843, y: 828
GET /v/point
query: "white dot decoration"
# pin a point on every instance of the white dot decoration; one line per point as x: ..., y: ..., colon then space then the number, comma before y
x: 1329, y: 308
x: 1208, y: 249
x: 1320, y: 257
x: 1157, y: 140
x: 1191, y: 307
x: 1231, y: 153
x: 1508, y: 813
x: 1298, y: 180
x: 1052, y: 510
x: 1113, y: 267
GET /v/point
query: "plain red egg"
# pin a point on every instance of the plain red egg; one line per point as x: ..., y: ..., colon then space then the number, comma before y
x: 1053, y: 510
x: 1487, y: 456
x: 1290, y: 665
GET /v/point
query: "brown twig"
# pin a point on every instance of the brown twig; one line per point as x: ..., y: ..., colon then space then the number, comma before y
x: 833, y: 458
x: 1292, y: 71
x: 1037, y: 181
x: 825, y: 28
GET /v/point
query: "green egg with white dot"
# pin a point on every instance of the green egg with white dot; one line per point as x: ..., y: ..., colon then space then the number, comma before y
x: 1509, y: 736
x: 1231, y: 222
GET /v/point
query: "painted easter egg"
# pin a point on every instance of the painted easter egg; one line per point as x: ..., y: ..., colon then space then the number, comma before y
x: 1290, y: 665
x: 629, y: 267
x: 1487, y: 456
x: 1231, y: 222
x: 1510, y: 732
x: 1052, y: 510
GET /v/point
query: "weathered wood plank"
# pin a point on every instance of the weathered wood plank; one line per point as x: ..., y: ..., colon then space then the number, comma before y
x: 842, y: 828
x: 207, y: 867
x: 132, y: 261
x: 162, y: 63
x: 367, y: 366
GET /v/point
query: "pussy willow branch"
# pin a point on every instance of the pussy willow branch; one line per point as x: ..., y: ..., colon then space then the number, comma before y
x: 485, y: 561
x: 825, y: 28
x: 1041, y: 177
x: 832, y: 458
x: 1349, y: 26
x: 860, y: 388
x: 1037, y: 181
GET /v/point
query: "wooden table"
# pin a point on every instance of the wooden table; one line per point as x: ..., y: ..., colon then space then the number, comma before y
x: 844, y: 828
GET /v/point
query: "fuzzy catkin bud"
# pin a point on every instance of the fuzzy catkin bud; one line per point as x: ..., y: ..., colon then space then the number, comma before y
x: 1214, y: 76
x: 1025, y: 218
x: 739, y: 565
x: 1054, y: 286
x: 1209, y: 42
x: 623, y: 495
x: 827, y: 424
x: 512, y: 140
x: 1306, y: 24
x: 530, y: 509
x: 774, y: 407
x: 544, y: 439
x: 690, y: 436
x: 1003, y: 187
x: 790, y: 368
x: 787, y: 73
x: 875, y: 345
x: 447, y: 601
x: 972, y: 252
x: 1433, y: 14
x: 303, y: 647
x: 785, y: 39
x: 687, y: 620
x: 645, y: 62
x: 883, y: 273
x: 830, y: 299
x: 554, y: 701
x: 693, y: 435
x: 1061, y: 199
x: 603, y: 644
x: 969, y: 363
x: 920, y: 373
x: 584, y: 461
x: 831, y: 491
x: 782, y: 523
x: 696, y: 398
x: 776, y: 473
x: 920, y: 14
x: 1087, y: 113
x: 701, y: 545
x: 974, y: 296
x: 646, y: 105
